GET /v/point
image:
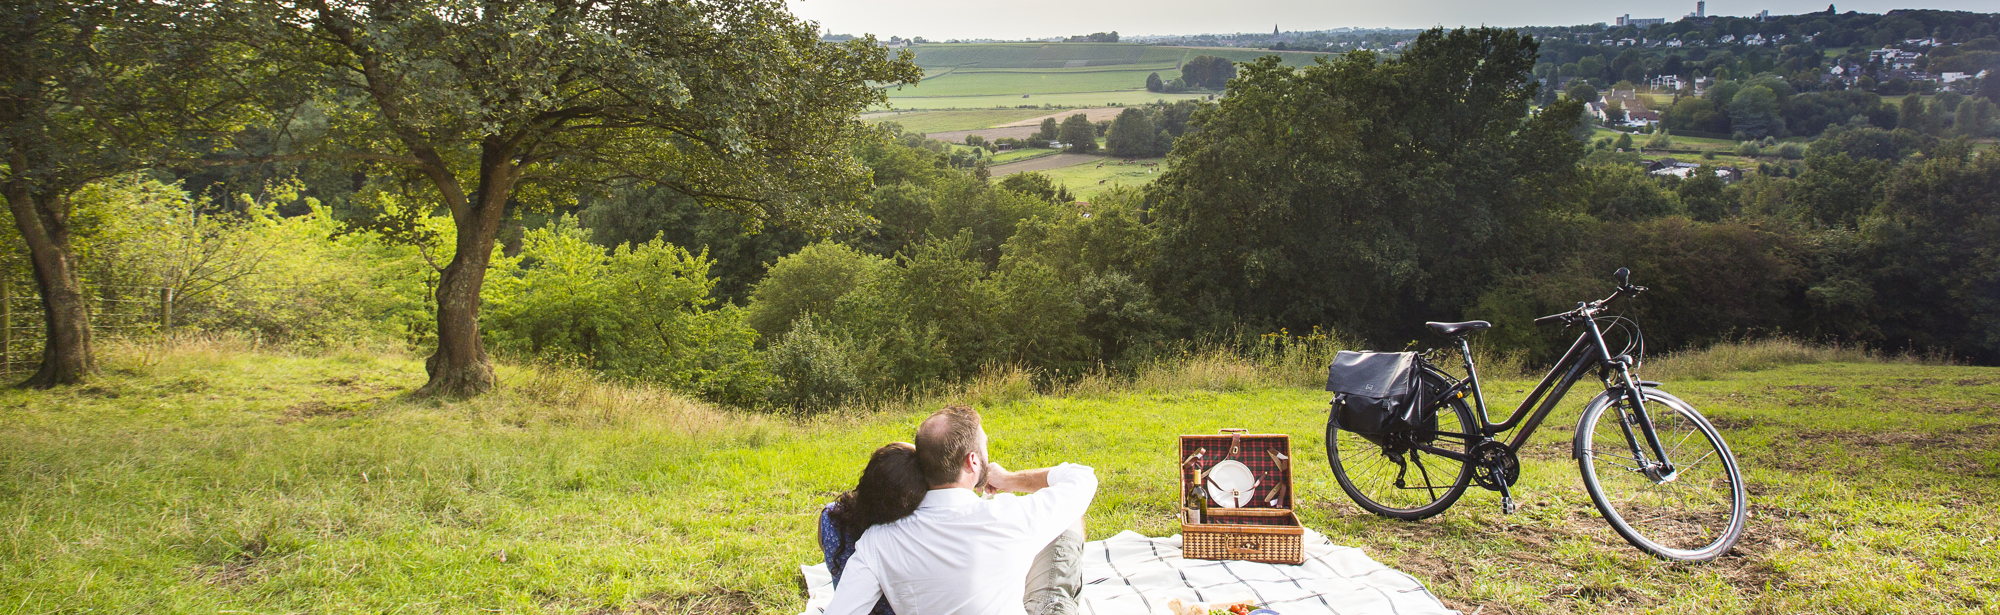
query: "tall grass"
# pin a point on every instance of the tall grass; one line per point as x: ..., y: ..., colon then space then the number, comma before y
x: 1756, y: 355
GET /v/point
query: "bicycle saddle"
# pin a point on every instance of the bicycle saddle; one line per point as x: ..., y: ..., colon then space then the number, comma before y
x: 1455, y: 329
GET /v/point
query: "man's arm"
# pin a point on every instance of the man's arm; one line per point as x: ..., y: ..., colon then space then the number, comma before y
x: 1025, y: 481
x: 858, y: 590
x: 1062, y: 495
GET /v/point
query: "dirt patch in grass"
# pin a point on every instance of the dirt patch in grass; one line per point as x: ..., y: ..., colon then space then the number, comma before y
x: 1975, y: 438
x: 712, y: 602
x: 1731, y: 423
x: 305, y: 411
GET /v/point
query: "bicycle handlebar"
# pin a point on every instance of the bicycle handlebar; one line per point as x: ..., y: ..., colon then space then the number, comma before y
x: 1625, y: 289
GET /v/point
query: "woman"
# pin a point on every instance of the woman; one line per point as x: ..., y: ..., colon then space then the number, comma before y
x: 891, y: 487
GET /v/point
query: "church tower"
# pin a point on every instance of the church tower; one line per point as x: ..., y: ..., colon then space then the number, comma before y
x: 1274, y: 29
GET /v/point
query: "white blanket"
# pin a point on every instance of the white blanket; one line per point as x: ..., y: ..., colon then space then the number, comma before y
x: 1130, y: 574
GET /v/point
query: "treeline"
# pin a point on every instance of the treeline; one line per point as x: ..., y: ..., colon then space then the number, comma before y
x: 1331, y: 198
x: 1767, y: 106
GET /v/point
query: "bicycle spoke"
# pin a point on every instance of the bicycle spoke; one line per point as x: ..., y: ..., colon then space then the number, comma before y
x: 1695, y: 513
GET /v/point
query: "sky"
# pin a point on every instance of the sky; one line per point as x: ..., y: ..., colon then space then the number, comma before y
x: 940, y: 20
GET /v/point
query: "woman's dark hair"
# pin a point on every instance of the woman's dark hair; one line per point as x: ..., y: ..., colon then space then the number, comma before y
x: 891, y: 487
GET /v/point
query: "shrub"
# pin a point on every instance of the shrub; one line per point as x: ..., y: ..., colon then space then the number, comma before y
x: 638, y: 312
x: 813, y: 369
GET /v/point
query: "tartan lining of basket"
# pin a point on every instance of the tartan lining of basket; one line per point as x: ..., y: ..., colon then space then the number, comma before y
x: 1254, y: 452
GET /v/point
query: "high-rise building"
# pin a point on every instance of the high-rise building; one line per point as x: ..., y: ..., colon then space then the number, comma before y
x: 1701, y: 8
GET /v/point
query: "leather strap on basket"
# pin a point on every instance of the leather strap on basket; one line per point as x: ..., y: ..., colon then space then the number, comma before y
x: 1235, y: 440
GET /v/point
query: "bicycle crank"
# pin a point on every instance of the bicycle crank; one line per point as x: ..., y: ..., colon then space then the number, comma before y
x: 1494, y: 466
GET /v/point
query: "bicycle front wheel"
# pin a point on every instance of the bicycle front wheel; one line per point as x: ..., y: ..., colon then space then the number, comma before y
x: 1693, y: 514
x: 1393, y: 474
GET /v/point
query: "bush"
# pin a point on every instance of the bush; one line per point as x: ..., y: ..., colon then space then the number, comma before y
x: 243, y: 268
x: 637, y: 313
x: 1792, y: 151
x: 813, y: 369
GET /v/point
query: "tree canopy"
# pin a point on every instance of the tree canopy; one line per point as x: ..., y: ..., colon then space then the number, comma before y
x: 1350, y: 192
x: 735, y: 103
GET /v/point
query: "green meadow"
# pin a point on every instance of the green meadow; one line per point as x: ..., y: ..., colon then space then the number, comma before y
x: 985, y: 75
x: 218, y: 476
x: 964, y: 119
x: 1084, y: 180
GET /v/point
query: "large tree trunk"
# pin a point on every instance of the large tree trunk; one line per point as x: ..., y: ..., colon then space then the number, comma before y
x: 67, y: 356
x: 460, y: 367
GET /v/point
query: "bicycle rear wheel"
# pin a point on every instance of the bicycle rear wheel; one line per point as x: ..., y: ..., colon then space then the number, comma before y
x: 1694, y: 514
x: 1388, y: 475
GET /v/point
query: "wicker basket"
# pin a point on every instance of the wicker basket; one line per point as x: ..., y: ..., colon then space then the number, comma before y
x: 1261, y: 532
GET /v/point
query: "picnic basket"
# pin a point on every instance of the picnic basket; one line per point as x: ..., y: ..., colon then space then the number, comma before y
x: 1259, y: 532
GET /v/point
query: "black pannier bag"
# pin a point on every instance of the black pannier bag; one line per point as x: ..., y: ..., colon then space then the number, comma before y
x: 1375, y: 392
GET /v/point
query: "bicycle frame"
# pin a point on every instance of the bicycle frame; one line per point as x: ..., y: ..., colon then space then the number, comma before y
x: 1586, y: 352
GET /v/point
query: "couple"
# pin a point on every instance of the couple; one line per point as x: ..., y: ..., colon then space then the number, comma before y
x: 918, y: 536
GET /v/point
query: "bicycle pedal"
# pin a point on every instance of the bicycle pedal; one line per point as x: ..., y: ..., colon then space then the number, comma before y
x: 1508, y: 506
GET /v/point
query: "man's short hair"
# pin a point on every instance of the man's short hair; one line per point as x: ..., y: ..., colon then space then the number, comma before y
x: 943, y: 441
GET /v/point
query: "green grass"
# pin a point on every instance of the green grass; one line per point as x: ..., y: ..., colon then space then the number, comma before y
x: 985, y: 75
x: 1084, y: 179
x: 1017, y: 155
x: 987, y: 83
x: 965, y: 119
x: 1059, y: 55
x: 214, y: 477
x: 1054, y: 101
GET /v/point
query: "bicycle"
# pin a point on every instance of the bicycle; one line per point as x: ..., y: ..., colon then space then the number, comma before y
x: 1666, y: 491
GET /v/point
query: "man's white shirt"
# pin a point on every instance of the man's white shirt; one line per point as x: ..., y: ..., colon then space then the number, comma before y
x: 959, y: 554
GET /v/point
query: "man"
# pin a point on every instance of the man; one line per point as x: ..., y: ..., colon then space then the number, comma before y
x: 960, y: 554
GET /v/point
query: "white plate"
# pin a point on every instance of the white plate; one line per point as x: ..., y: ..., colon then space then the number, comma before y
x: 1230, y: 484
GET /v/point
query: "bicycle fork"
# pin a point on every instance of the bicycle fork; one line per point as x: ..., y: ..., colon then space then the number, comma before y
x: 1658, y: 467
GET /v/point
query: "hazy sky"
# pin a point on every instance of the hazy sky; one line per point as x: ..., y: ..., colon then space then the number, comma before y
x: 1016, y: 19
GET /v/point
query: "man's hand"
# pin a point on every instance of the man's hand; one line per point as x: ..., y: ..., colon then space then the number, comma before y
x: 1026, y: 481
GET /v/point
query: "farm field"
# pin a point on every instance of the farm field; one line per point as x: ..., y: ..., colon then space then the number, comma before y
x: 1017, y: 155
x: 967, y: 119
x: 985, y: 75
x: 211, y: 476
x: 1067, y: 99
x: 1092, y: 177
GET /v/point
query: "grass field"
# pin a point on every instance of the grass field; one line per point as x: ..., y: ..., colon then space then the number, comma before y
x: 988, y: 83
x: 966, y: 119
x: 986, y: 75
x: 1088, y: 179
x: 215, y: 477
x: 1017, y: 155
x: 1064, y: 100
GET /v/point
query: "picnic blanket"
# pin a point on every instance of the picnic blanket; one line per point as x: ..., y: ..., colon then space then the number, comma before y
x: 1130, y: 574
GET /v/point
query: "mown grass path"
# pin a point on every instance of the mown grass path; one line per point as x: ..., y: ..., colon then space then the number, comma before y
x: 207, y: 480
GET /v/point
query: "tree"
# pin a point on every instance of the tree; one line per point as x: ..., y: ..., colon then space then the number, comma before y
x: 1754, y: 111
x: 1208, y: 72
x: 503, y: 104
x: 1133, y: 135
x: 1660, y: 140
x: 1331, y: 195
x: 1614, y: 113
x: 88, y: 90
x: 1154, y: 84
x: 1913, y: 116
x: 1048, y: 131
x: 1581, y: 91
x: 1079, y: 134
